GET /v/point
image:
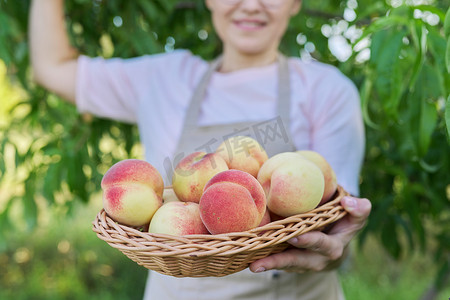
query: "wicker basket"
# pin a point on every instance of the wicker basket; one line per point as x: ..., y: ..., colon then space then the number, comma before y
x: 213, y: 255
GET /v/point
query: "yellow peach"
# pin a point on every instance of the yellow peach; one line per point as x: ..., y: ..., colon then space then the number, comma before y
x: 243, y: 153
x: 193, y: 172
x: 178, y: 218
x: 328, y: 173
x: 292, y: 184
x: 132, y: 192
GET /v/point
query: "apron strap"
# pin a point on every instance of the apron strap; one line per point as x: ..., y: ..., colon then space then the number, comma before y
x: 283, y: 93
x: 191, y: 118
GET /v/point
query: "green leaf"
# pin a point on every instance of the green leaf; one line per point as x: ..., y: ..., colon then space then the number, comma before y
x: 389, y: 236
x: 447, y: 116
x: 365, y: 96
x: 428, y: 167
x: 443, y: 274
x: 30, y: 210
x: 421, y: 108
x: 408, y: 232
x: 149, y: 9
x: 386, y: 50
x: 52, y: 182
x: 420, y: 37
x: 75, y: 175
x: 2, y: 159
x: 428, y: 120
x: 376, y: 45
x: 447, y: 56
x: 413, y: 210
x: 447, y: 24
x: 437, y: 45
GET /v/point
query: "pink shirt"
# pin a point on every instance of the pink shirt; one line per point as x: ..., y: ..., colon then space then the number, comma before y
x: 154, y: 92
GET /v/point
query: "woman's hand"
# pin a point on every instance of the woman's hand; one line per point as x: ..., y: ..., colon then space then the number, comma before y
x: 318, y: 251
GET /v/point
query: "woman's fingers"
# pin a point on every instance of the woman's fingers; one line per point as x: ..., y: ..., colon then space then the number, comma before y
x: 290, y: 260
x: 320, y: 243
x: 317, y: 251
x: 358, y: 210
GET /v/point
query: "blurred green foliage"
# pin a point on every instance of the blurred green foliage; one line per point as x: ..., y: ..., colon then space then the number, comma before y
x: 65, y: 260
x: 397, y: 53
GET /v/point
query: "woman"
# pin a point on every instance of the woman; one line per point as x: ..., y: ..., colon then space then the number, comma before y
x: 182, y: 103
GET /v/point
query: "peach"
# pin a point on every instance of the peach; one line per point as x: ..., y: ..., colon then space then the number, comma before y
x: 178, y: 218
x: 193, y: 172
x: 132, y: 192
x: 243, y: 153
x: 327, y: 170
x: 232, y: 201
x: 293, y: 184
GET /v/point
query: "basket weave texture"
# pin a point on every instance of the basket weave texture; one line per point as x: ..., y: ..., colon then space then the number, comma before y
x: 213, y: 255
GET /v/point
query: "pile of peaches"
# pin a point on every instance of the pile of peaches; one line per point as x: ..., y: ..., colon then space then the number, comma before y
x: 234, y: 189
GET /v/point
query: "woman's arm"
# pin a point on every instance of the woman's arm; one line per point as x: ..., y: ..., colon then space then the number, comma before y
x: 53, y: 59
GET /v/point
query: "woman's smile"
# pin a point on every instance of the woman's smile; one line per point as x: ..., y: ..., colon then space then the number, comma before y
x: 250, y: 30
x: 249, y: 24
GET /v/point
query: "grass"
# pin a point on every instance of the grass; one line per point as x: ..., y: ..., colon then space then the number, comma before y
x: 65, y: 260
x: 372, y: 274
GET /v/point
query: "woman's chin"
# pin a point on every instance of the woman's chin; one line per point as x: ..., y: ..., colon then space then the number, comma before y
x: 251, y: 49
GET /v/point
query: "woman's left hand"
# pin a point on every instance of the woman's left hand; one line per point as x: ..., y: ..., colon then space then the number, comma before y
x: 318, y: 251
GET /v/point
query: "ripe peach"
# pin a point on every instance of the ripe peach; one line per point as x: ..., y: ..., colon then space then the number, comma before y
x: 232, y: 201
x: 327, y: 170
x: 193, y: 172
x: 271, y: 164
x: 292, y: 184
x: 132, y: 192
x: 243, y: 153
x: 178, y: 218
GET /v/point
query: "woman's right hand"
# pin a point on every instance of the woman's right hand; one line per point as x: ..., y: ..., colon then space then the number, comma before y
x: 53, y: 59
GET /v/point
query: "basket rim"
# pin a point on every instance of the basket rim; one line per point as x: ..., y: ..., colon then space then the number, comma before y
x: 129, y: 239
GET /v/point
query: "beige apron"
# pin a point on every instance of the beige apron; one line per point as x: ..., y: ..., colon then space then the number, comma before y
x: 274, y: 136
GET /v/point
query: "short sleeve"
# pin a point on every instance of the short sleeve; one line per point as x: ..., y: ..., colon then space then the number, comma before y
x: 113, y: 88
x: 107, y: 87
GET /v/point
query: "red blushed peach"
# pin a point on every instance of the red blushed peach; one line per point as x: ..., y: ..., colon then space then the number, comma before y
x: 232, y: 201
x: 193, y: 172
x: 266, y: 170
x: 243, y: 153
x: 328, y: 173
x: 292, y: 184
x: 178, y: 218
x: 132, y: 192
